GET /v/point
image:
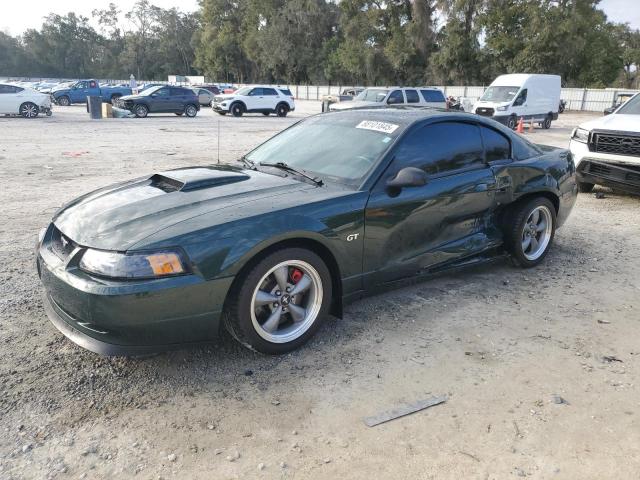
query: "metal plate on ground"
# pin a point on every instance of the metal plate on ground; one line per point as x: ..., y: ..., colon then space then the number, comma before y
x: 403, y: 410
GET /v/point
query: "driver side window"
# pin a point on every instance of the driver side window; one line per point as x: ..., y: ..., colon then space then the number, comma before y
x: 256, y: 92
x: 440, y: 148
x: 521, y: 98
x: 395, y: 97
x: 163, y: 92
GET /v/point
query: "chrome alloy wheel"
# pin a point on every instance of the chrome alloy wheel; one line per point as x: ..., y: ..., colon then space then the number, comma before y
x: 286, y: 301
x: 29, y: 110
x: 536, y: 233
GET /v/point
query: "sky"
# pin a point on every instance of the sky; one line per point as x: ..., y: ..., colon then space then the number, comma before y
x: 17, y: 15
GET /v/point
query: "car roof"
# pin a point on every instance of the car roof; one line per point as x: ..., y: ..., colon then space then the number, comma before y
x: 401, y: 115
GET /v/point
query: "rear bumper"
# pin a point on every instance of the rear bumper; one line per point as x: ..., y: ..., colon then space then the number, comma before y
x: 130, y: 318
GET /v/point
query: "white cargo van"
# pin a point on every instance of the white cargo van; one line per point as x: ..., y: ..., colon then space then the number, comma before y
x: 532, y: 97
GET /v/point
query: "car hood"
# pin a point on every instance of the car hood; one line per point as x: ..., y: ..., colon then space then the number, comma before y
x: 133, y: 97
x: 616, y: 121
x: 119, y: 216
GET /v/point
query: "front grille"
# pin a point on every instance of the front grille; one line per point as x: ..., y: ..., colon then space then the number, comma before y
x: 485, y: 112
x: 615, y: 144
x: 599, y: 169
x: 61, y: 245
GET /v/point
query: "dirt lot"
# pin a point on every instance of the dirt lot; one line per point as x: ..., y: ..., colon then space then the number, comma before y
x: 541, y: 367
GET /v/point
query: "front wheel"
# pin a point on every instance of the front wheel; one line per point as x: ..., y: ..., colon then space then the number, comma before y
x: 546, y: 124
x: 529, y: 231
x: 191, y: 111
x: 511, y: 122
x: 280, y: 303
x: 29, y: 110
x: 236, y: 110
x: 141, y: 111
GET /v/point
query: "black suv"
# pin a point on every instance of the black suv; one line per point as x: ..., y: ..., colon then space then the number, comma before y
x: 161, y: 99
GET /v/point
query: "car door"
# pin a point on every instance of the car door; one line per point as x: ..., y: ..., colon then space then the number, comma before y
x: 433, y: 98
x: 271, y: 98
x: 519, y: 105
x: 79, y: 92
x: 396, y: 97
x: 161, y: 101
x: 415, y: 228
x: 255, y: 100
x: 7, y: 94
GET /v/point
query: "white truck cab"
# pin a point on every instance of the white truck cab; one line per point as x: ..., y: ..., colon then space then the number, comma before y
x: 532, y: 97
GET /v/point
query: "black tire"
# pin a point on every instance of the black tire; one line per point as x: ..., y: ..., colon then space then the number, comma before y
x: 546, y: 124
x: 512, y: 122
x: 140, y: 111
x: 282, y: 110
x: 266, y: 114
x: 114, y: 98
x: 236, y: 109
x: 64, y: 101
x: 191, y: 110
x: 515, y: 230
x: 237, y: 317
x: 29, y: 110
x: 179, y: 113
x: 222, y: 113
x: 585, y: 187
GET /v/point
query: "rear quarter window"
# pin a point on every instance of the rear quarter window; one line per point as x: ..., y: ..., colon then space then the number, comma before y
x: 286, y: 91
x: 432, y: 96
x: 523, y: 149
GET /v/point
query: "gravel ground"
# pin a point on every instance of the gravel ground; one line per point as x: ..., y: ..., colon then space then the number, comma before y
x: 539, y: 366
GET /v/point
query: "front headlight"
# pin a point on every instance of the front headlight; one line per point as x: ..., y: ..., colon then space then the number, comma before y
x: 580, y: 135
x: 502, y: 108
x: 136, y: 265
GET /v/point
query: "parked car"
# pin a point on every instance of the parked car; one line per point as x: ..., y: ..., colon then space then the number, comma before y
x: 414, y: 97
x: 161, y: 99
x: 212, y: 88
x: 205, y: 97
x: 79, y: 91
x: 335, y: 207
x: 346, y: 95
x: 532, y: 97
x: 619, y: 100
x: 607, y: 150
x: 259, y: 99
x: 15, y: 100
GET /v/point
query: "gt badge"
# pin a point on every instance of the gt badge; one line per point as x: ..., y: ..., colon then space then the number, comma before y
x: 352, y: 237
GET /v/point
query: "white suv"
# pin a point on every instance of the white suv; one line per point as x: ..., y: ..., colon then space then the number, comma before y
x: 259, y: 99
x: 378, y: 96
x: 606, y: 151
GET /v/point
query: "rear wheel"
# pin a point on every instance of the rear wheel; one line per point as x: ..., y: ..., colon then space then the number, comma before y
x: 191, y: 111
x: 546, y: 124
x: 511, y: 122
x: 529, y: 231
x: 280, y: 303
x: 29, y: 110
x: 584, y: 187
x: 282, y: 110
x: 64, y: 101
x: 140, y: 111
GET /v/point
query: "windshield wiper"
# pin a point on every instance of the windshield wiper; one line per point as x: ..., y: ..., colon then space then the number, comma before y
x: 288, y: 168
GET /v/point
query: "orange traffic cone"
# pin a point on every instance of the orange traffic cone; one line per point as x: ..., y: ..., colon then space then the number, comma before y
x: 531, y: 126
x: 520, y: 128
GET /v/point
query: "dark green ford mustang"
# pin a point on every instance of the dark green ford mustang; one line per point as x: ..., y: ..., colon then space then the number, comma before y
x: 332, y: 208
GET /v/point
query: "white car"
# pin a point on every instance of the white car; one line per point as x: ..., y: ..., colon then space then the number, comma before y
x: 377, y: 96
x: 17, y: 100
x: 606, y: 151
x: 263, y: 99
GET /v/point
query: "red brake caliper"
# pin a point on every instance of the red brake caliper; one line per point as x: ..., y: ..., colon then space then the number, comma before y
x: 296, y: 275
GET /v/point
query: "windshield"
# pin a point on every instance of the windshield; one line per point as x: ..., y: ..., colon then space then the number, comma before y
x: 243, y: 91
x: 150, y: 90
x: 343, y: 149
x: 631, y: 106
x: 499, y: 94
x: 372, y: 95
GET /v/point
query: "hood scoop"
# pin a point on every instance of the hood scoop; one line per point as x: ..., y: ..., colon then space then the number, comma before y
x: 189, y: 179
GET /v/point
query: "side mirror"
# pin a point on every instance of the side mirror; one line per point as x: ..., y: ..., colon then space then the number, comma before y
x: 408, y: 177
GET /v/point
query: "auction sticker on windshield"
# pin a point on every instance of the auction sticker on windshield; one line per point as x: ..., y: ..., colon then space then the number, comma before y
x: 383, y: 127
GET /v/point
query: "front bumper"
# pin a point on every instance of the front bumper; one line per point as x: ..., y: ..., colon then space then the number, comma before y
x: 218, y: 107
x: 128, y: 317
x: 615, y: 171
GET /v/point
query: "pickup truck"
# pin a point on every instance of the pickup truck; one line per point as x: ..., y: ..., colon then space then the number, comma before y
x: 79, y: 91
